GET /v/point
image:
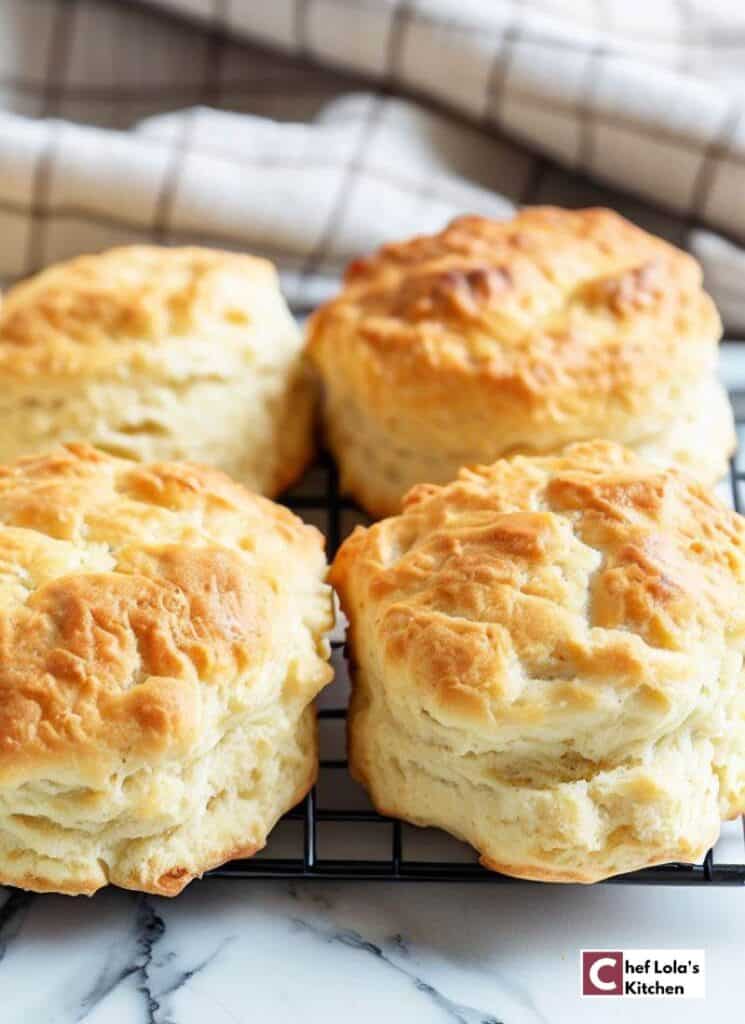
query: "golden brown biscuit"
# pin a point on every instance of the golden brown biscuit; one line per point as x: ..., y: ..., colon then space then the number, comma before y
x: 492, y: 338
x: 162, y: 637
x: 157, y: 353
x: 547, y: 658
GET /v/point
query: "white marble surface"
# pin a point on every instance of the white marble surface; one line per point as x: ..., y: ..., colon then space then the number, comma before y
x: 249, y: 952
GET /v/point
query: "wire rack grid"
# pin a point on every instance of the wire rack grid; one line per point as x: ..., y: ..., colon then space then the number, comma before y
x: 336, y: 834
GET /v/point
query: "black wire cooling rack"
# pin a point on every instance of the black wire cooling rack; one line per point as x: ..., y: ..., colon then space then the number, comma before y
x: 335, y: 833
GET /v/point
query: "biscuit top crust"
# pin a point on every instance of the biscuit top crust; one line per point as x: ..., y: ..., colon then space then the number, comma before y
x: 583, y: 597
x: 94, y: 309
x: 558, y: 315
x: 132, y: 596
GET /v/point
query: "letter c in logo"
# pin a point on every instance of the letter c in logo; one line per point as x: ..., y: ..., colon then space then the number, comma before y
x: 596, y: 968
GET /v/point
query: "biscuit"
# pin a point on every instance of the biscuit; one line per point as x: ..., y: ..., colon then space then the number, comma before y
x: 154, y: 353
x: 547, y: 662
x: 162, y: 637
x: 497, y: 338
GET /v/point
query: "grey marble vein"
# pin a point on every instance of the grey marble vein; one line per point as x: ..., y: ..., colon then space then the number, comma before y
x: 460, y: 1013
x: 181, y: 977
x: 12, y: 914
x: 151, y: 928
x: 160, y: 977
x: 104, y: 983
x: 121, y: 962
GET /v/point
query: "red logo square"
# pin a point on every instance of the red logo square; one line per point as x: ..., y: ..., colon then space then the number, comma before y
x: 602, y: 973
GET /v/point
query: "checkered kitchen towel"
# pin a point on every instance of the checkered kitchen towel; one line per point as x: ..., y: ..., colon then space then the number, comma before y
x: 242, y: 123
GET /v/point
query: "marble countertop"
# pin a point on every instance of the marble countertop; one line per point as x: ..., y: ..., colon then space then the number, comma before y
x: 234, y: 952
x: 254, y: 951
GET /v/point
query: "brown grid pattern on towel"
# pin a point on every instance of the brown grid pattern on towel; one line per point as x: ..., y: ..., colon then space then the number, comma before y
x: 57, y: 80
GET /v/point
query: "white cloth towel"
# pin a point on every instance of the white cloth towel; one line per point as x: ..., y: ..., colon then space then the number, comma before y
x: 644, y: 97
